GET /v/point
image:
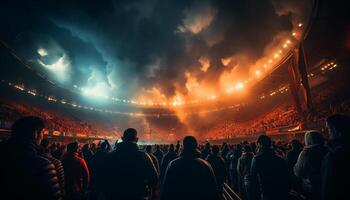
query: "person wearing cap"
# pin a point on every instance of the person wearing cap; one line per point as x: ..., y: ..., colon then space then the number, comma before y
x: 308, y: 165
x: 129, y: 173
x: 24, y: 172
x: 270, y: 179
x: 189, y: 176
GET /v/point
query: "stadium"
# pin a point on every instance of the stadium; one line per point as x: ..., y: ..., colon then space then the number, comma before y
x: 158, y: 88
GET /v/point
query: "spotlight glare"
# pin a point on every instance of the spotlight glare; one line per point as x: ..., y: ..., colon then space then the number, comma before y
x: 239, y: 86
x: 257, y: 73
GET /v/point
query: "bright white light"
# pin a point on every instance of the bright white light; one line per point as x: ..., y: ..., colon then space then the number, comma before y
x: 239, y: 86
x: 60, y: 67
x: 257, y: 73
x: 294, y: 34
x: 42, y: 52
x: 99, y: 90
x: 300, y: 24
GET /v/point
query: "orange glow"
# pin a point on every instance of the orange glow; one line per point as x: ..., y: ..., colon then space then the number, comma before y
x: 239, y: 86
x: 257, y: 73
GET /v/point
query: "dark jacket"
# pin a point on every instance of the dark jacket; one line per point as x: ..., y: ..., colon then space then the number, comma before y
x: 159, y: 155
x: 189, y: 177
x: 127, y: 172
x: 77, y: 175
x: 269, y: 172
x: 292, y: 158
x: 244, y: 164
x: 25, y: 173
x: 336, y: 172
x: 59, y: 170
x: 96, y: 173
x: 154, y: 161
x: 168, y: 157
x: 308, y: 166
x: 219, y: 167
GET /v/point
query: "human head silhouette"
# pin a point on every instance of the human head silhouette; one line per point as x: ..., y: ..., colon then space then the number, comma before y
x: 30, y: 128
x: 72, y: 147
x: 130, y: 135
x: 171, y: 147
x: 215, y: 150
x: 149, y: 149
x: 264, y: 141
x: 190, y: 143
x: 338, y: 125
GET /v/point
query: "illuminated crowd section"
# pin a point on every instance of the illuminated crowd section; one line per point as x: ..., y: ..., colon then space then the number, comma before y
x: 322, y: 69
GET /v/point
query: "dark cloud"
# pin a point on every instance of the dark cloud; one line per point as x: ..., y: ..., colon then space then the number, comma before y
x: 127, y: 47
x: 141, y: 44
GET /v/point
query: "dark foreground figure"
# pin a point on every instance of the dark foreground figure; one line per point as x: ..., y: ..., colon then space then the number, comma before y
x: 25, y: 173
x: 128, y: 172
x: 189, y: 177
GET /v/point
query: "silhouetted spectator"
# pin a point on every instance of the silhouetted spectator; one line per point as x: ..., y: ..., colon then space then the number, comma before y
x: 335, y: 169
x: 168, y: 157
x: 153, y: 157
x: 206, y: 151
x: 233, y: 159
x: 243, y: 170
x: 58, y: 164
x: 128, y: 171
x: 59, y: 151
x: 189, y: 177
x: 96, y: 169
x: 308, y: 166
x: 177, y: 148
x: 219, y: 167
x: 269, y: 173
x: 25, y: 173
x: 87, y: 153
x: 291, y: 159
x: 159, y: 154
x: 76, y: 171
x: 224, y: 150
x: 293, y: 154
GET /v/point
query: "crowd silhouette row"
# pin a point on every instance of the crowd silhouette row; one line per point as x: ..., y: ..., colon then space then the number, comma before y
x: 32, y: 167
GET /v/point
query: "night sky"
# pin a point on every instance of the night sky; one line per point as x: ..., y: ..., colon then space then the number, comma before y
x: 132, y: 48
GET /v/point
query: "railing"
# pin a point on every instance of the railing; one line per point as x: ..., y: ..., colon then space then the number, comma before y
x: 229, y: 194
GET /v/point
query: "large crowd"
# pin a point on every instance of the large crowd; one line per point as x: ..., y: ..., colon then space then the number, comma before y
x: 35, y: 168
x: 55, y: 120
x: 284, y: 116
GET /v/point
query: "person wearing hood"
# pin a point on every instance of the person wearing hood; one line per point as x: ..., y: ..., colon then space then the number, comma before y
x: 308, y: 166
x: 335, y: 167
x: 189, y: 176
x: 129, y: 173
